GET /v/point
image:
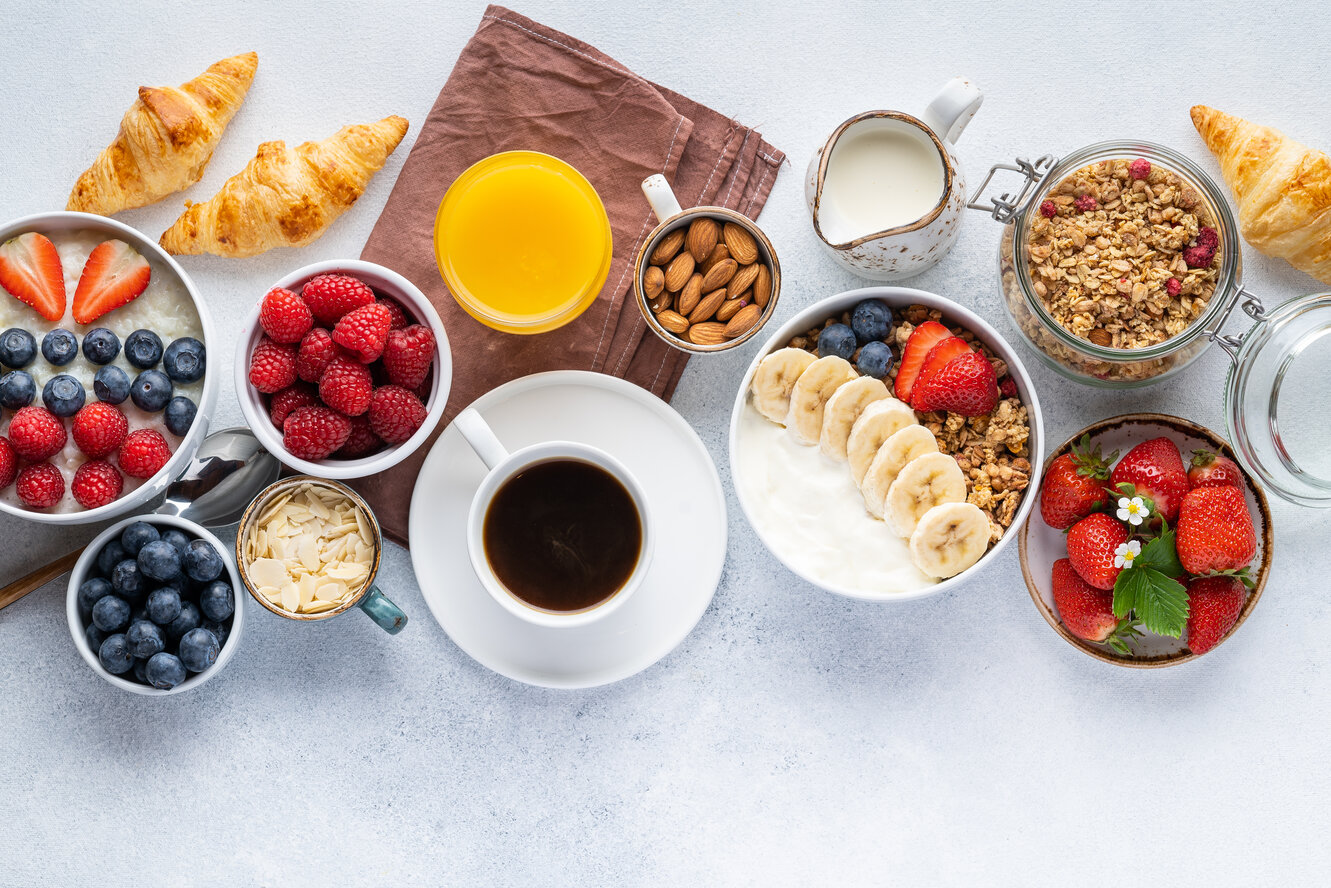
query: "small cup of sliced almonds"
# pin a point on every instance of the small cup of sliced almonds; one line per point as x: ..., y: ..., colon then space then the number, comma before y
x: 308, y: 549
x: 706, y: 278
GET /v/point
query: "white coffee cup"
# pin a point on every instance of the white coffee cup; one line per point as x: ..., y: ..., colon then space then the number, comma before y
x: 504, y: 465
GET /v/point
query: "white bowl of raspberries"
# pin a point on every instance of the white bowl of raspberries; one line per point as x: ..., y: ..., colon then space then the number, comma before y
x: 345, y: 371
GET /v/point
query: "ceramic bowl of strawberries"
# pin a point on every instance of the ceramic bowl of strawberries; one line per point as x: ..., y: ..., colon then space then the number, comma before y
x: 345, y: 370
x: 1152, y: 545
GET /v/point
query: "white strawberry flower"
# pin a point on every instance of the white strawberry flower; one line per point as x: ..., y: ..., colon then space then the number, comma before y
x: 1133, y: 511
x: 1126, y: 553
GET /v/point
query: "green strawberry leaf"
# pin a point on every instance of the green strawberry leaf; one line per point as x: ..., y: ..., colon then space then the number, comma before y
x: 1159, y: 601
x: 1242, y: 574
x: 1125, y: 632
x: 1161, y: 554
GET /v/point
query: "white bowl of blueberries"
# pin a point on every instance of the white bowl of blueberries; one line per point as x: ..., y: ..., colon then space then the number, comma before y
x: 153, y: 605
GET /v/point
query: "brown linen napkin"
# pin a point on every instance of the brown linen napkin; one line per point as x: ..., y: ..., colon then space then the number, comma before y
x: 521, y: 85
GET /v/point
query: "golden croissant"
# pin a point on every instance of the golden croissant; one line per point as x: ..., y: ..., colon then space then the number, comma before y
x: 166, y: 139
x: 286, y: 197
x: 1283, y: 189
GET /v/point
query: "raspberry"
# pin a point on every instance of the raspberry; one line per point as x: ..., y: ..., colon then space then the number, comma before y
x: 144, y: 453
x: 40, y: 486
x: 8, y: 463
x: 1048, y: 210
x: 330, y: 296
x: 1199, y: 256
x: 363, y: 331
x: 284, y: 316
x: 408, y: 355
x: 36, y: 433
x: 315, y: 432
x: 396, y: 311
x: 316, y: 350
x: 1086, y: 203
x: 1173, y: 286
x: 272, y: 366
x: 99, y: 429
x: 96, y: 483
x: 1139, y: 168
x: 395, y: 414
x: 1008, y: 387
x: 346, y: 386
x: 1208, y: 237
x: 361, y: 442
x: 289, y: 399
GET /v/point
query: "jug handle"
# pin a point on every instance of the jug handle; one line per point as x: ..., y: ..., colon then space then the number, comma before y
x: 662, y: 198
x: 953, y: 108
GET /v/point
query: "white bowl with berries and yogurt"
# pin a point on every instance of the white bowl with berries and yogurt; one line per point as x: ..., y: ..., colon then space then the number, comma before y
x: 169, y: 307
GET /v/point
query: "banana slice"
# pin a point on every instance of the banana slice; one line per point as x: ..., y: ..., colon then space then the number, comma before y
x: 810, y: 395
x: 900, y: 448
x: 949, y: 538
x: 926, y: 481
x: 773, y: 380
x: 843, y: 408
x: 877, y: 422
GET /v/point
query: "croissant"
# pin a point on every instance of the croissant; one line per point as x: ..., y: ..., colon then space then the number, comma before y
x: 166, y: 139
x: 1283, y: 189
x: 286, y: 197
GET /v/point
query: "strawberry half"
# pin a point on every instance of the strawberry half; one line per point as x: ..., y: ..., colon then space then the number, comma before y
x: 922, y: 340
x: 114, y: 275
x: 30, y: 270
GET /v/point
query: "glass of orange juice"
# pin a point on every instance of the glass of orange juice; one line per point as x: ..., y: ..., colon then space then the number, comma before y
x: 523, y: 242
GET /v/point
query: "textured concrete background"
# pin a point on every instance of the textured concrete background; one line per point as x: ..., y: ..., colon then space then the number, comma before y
x: 794, y: 738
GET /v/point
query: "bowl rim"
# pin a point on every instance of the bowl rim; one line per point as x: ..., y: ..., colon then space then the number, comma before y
x: 80, y: 572
x: 958, y: 314
x: 184, y: 452
x: 416, y: 303
x: 1222, y: 447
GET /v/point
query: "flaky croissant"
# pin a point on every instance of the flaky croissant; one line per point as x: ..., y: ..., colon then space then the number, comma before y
x: 166, y: 139
x: 1283, y: 189
x: 286, y: 197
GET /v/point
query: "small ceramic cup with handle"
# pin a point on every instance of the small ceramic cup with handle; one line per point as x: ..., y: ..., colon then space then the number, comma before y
x: 503, y: 466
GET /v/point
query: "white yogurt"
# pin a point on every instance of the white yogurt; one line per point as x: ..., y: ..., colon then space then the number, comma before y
x: 164, y: 307
x: 808, y: 508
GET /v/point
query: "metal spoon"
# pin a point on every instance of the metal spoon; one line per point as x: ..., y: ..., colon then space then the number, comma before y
x: 228, y: 469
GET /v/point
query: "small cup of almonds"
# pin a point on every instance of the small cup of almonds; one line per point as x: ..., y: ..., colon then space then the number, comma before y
x: 707, y: 278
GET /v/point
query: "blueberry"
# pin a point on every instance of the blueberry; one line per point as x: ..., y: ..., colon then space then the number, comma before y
x: 184, y: 360
x: 111, y: 613
x: 112, y: 554
x: 59, y: 347
x: 177, y: 539
x: 202, y: 562
x: 94, y: 637
x: 115, y: 656
x: 111, y: 384
x: 165, y: 671
x: 875, y: 359
x: 127, y: 580
x: 838, y: 340
x: 199, y: 649
x: 101, y: 346
x: 216, y: 601
x: 17, y: 348
x: 871, y: 320
x: 180, y: 412
x: 93, y: 590
x: 136, y: 536
x: 145, y: 638
x: 143, y: 349
x: 163, y: 605
x: 151, y: 390
x: 140, y: 670
x: 17, y: 389
x: 159, y: 560
x: 218, y: 628
x: 63, y: 395
x: 189, y: 618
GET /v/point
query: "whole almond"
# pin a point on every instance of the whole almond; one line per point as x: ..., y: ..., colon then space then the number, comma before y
x: 719, y: 254
x: 673, y: 321
x: 1101, y: 336
x: 667, y: 247
x: 679, y: 270
x: 745, y: 318
x: 691, y: 295
x: 742, y: 280
x: 762, y: 286
x: 720, y: 275
x: 729, y: 308
x: 743, y: 248
x: 653, y: 282
x: 706, y: 334
x: 702, y: 237
x: 707, y: 307
x: 662, y: 301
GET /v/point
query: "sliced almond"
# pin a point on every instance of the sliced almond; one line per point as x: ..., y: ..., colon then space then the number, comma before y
x: 673, y: 321
x: 702, y: 237
x: 720, y: 275
x: 743, y: 248
x: 710, y: 333
x: 762, y: 286
x: 744, y: 319
x: 707, y: 307
x: 742, y: 280
x: 667, y: 247
x: 679, y: 271
x: 653, y: 282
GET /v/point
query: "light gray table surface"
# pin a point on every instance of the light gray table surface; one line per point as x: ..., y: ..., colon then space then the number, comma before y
x: 794, y: 737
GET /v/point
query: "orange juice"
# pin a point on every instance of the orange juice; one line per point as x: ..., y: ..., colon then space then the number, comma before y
x: 523, y: 242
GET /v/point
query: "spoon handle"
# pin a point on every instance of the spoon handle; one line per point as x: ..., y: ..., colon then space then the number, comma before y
x: 38, y: 578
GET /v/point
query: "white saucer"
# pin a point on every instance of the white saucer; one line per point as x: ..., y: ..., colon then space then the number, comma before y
x: 688, y: 513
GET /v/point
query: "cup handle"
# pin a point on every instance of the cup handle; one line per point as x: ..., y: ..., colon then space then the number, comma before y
x: 481, y: 437
x: 388, y: 615
x: 953, y: 108
x: 661, y: 197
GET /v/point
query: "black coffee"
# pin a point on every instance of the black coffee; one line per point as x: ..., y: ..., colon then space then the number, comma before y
x: 563, y: 535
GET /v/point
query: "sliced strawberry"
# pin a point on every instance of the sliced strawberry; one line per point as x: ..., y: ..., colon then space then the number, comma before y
x: 939, y: 356
x: 964, y: 385
x: 30, y: 270
x: 922, y: 340
x: 114, y: 275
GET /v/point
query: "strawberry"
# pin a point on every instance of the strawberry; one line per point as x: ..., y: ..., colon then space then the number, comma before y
x: 314, y: 432
x: 290, y: 398
x: 922, y: 340
x: 408, y: 354
x: 272, y: 366
x: 1154, y: 468
x: 30, y: 270
x: 1212, y: 470
x: 96, y: 483
x: 1092, y: 542
x: 363, y: 331
x: 144, y: 453
x: 8, y: 463
x: 361, y: 442
x: 939, y: 356
x: 330, y: 296
x: 1088, y: 612
x: 1076, y: 484
x: 965, y: 385
x: 40, y: 486
x: 284, y: 316
x: 1214, y: 605
x: 1215, y: 530
x: 346, y: 386
x: 36, y: 433
x: 316, y: 350
x: 114, y: 275
x: 99, y: 429
x: 395, y: 414
x: 396, y: 312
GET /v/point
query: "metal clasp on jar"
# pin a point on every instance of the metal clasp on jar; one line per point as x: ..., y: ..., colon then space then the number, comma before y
x: 1005, y: 208
x: 1252, y: 307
